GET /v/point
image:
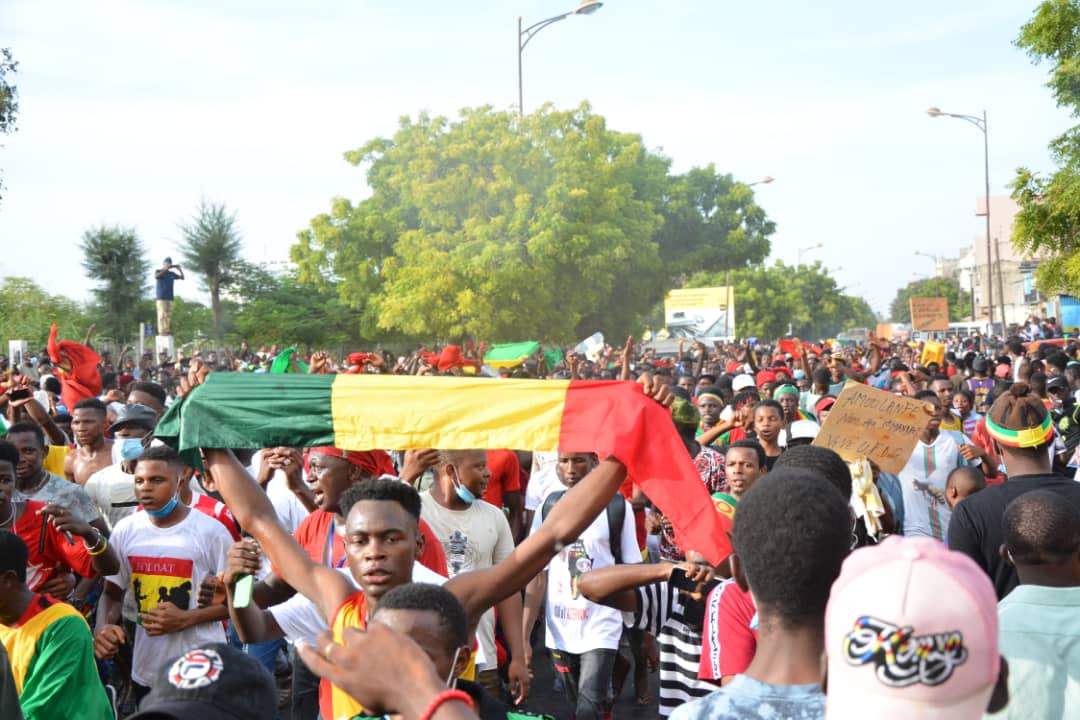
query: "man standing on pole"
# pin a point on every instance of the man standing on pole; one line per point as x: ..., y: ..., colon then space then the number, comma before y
x: 166, y: 276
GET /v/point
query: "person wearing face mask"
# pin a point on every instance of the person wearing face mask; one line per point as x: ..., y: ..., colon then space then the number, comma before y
x: 475, y: 535
x: 165, y: 551
x: 112, y: 489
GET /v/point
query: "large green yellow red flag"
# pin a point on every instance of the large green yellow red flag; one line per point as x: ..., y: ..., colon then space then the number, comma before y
x: 399, y: 412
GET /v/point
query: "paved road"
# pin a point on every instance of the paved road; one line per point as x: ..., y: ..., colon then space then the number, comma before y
x: 544, y: 698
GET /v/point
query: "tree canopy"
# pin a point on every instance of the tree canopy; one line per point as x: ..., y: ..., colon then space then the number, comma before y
x: 27, y: 311
x: 504, y: 227
x: 773, y: 301
x: 1048, y: 224
x: 115, y: 259
x: 212, y: 248
x: 9, y: 96
x: 948, y: 288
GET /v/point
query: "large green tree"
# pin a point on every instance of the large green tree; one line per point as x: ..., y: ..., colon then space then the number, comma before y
x: 27, y: 312
x: 276, y: 308
x: 500, y: 226
x: 711, y: 223
x: 9, y: 96
x: 115, y: 259
x: 211, y: 248
x: 1048, y: 224
x: 948, y: 288
x: 773, y: 301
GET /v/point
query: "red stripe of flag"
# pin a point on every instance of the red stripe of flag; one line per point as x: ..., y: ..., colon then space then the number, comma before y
x: 617, y: 419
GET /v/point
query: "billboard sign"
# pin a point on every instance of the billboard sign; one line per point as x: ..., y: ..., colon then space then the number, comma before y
x: 692, y: 313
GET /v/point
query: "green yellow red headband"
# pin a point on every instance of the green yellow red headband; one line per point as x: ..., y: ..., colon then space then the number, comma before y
x: 717, y: 398
x: 1026, y: 438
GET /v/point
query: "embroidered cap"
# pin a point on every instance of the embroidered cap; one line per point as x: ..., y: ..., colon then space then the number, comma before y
x: 212, y: 682
x: 911, y: 631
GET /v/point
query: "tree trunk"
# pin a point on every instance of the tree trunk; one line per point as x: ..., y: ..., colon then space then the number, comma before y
x: 215, y: 305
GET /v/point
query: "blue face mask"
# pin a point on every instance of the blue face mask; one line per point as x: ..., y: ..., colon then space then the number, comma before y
x: 464, y: 494
x: 164, y: 511
x: 126, y: 449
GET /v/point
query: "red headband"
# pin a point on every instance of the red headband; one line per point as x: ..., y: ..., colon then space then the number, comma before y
x: 372, y: 462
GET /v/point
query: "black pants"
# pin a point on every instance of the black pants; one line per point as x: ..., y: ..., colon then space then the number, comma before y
x: 305, y: 690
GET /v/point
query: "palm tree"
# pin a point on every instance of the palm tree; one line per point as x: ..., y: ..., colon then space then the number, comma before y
x: 211, y: 249
x: 115, y: 258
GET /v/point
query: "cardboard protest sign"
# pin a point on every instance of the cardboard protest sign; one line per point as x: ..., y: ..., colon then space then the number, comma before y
x: 874, y: 424
x: 929, y: 313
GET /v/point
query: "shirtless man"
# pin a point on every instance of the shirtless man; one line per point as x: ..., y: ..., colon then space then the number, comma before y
x: 92, y: 451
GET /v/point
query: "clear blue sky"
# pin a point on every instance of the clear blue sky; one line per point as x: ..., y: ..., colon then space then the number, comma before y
x: 133, y: 110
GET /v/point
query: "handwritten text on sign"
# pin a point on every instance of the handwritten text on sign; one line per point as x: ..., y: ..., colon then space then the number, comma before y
x: 929, y: 313
x: 874, y: 424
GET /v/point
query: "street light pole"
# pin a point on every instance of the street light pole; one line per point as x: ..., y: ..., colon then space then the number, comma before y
x: 587, y: 7
x: 982, y: 125
x: 798, y: 261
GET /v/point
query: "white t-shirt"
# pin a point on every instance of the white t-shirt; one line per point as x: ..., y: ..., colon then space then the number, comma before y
x: 299, y: 618
x: 542, y: 480
x: 113, y: 492
x: 475, y: 538
x: 922, y: 482
x: 166, y: 565
x: 574, y: 624
x: 290, y: 511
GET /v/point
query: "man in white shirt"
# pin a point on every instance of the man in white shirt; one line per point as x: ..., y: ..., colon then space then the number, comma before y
x: 583, y: 636
x: 165, y: 552
x: 475, y: 535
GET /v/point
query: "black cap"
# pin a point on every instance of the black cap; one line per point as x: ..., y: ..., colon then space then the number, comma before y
x: 1058, y: 383
x: 211, y: 682
x: 135, y: 414
x: 980, y: 365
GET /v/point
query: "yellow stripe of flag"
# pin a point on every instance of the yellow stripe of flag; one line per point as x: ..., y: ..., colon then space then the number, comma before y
x: 456, y: 413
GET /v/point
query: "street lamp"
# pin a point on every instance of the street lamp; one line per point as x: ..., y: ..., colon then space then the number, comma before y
x: 807, y: 249
x: 763, y: 181
x: 587, y: 7
x: 981, y: 124
x: 928, y: 255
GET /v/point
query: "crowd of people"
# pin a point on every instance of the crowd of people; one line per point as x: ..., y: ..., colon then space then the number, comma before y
x: 339, y: 582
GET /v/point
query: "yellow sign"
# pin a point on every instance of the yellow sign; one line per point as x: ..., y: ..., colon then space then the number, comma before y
x: 700, y: 312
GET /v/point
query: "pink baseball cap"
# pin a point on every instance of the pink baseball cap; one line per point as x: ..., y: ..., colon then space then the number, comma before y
x: 911, y: 631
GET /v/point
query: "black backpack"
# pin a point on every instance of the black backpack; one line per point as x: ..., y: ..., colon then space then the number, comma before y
x: 616, y: 515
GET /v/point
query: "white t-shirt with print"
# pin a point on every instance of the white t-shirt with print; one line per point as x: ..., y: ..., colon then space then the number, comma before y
x: 473, y: 539
x: 574, y: 624
x: 113, y: 492
x: 922, y: 482
x: 166, y: 565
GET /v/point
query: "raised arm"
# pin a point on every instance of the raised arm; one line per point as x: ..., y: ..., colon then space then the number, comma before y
x: 326, y: 587
x: 614, y: 586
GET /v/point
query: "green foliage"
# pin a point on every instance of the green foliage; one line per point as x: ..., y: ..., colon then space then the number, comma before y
x: 191, y: 320
x: 279, y: 309
x: 211, y: 249
x: 1049, y: 216
x: 27, y: 311
x: 770, y: 299
x: 498, y: 226
x: 948, y: 288
x: 9, y: 96
x: 711, y: 223
x: 114, y: 257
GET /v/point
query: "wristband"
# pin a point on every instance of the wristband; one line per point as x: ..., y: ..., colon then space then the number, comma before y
x: 444, y: 696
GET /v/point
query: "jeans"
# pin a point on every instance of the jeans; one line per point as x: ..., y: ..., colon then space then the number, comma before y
x: 587, y: 680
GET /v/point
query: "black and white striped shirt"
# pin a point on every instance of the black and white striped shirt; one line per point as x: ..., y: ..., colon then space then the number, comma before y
x: 660, y: 611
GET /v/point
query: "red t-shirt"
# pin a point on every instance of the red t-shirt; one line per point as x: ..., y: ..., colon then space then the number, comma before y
x: 728, y: 642
x: 314, y: 529
x: 41, y: 567
x: 981, y: 437
x: 505, y: 475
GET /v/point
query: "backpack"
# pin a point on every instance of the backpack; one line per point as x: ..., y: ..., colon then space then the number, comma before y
x: 616, y: 515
